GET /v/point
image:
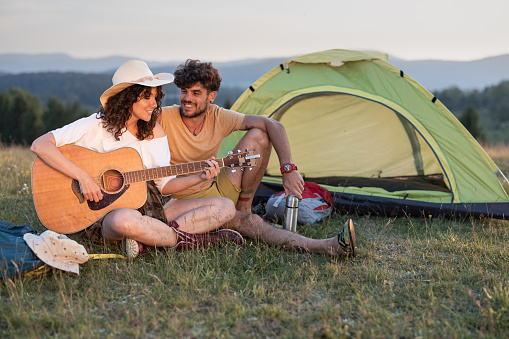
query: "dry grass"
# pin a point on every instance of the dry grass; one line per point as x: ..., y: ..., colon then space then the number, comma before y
x: 497, y: 151
x: 500, y: 155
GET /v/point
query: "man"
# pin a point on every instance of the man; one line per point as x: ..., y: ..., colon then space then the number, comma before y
x: 195, y: 130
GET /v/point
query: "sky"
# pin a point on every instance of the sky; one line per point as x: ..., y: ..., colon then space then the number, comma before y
x: 220, y: 30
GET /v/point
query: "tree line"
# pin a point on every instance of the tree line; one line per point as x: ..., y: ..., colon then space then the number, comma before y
x: 86, y: 88
x: 485, y: 113
x: 32, y: 104
x: 25, y: 115
x: 23, y: 118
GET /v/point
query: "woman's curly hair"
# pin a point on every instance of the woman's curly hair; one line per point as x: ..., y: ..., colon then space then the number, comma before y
x: 194, y: 71
x: 119, y: 108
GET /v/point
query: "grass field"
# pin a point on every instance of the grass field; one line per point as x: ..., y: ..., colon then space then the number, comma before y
x: 412, y: 278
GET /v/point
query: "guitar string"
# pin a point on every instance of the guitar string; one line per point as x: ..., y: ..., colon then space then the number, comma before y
x: 194, y: 165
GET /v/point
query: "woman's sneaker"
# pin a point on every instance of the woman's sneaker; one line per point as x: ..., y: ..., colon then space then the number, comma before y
x: 132, y: 248
x: 346, y: 238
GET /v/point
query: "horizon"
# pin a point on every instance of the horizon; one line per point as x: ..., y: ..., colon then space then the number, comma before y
x: 226, y: 61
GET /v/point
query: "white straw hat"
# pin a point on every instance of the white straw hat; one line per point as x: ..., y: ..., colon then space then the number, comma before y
x: 134, y: 72
x: 57, y: 250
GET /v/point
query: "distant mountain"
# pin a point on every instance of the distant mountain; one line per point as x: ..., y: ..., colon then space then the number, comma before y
x: 36, y: 63
x: 432, y: 74
x: 238, y: 73
x: 440, y: 74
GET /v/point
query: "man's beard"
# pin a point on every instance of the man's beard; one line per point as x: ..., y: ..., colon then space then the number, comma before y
x: 195, y: 114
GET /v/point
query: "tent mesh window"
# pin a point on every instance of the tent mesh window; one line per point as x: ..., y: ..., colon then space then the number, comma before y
x: 371, y: 144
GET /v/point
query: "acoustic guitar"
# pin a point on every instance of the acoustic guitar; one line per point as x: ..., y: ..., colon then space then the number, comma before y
x: 61, y: 206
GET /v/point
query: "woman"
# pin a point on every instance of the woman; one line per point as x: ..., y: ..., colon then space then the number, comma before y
x: 127, y: 118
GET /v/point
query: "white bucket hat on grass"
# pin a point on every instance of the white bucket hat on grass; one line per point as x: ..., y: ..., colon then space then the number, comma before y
x: 57, y: 250
x: 134, y: 72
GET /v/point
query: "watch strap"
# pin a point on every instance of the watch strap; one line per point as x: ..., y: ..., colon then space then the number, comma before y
x: 288, y: 168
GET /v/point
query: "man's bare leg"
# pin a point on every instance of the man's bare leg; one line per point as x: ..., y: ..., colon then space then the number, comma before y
x: 258, y: 141
x: 197, y: 216
x: 253, y: 226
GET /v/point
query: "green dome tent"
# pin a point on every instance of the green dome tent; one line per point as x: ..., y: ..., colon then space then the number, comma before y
x: 374, y: 137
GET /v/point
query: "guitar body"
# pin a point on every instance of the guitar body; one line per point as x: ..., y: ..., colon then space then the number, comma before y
x: 59, y: 203
x: 61, y: 206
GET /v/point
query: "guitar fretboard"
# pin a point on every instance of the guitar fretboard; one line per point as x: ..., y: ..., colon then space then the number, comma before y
x: 167, y: 171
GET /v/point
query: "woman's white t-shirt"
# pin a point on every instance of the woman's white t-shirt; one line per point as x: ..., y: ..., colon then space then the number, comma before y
x: 89, y: 133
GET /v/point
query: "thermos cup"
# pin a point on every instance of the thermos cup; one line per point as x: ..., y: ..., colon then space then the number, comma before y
x: 291, y: 212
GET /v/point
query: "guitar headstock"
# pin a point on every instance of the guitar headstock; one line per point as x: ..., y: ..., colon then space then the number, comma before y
x: 241, y: 159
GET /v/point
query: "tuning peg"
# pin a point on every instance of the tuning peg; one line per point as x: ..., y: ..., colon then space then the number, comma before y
x: 250, y: 169
x: 247, y: 150
x: 239, y: 151
x: 242, y: 169
x: 234, y: 170
x: 230, y: 152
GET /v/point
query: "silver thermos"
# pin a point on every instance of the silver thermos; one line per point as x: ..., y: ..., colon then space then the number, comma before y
x: 291, y: 212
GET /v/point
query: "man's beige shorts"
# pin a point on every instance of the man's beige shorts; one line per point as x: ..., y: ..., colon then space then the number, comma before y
x: 221, y: 187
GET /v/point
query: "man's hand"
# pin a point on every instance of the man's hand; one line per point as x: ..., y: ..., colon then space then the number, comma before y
x: 293, y: 182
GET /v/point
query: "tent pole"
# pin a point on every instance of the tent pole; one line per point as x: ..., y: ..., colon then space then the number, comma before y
x: 501, y: 173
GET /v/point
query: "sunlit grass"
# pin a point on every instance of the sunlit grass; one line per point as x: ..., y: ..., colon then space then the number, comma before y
x: 500, y: 155
x: 15, y: 170
x: 413, y: 277
x: 497, y: 150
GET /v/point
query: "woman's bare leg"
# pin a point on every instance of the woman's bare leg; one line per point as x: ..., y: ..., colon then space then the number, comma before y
x: 193, y: 216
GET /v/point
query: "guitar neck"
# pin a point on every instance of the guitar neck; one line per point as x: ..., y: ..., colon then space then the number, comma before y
x: 167, y: 171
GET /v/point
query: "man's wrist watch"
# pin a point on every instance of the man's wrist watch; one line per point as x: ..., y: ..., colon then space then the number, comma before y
x: 288, y: 168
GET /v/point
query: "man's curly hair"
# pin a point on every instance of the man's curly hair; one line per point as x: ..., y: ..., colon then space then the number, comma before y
x: 194, y: 71
x: 119, y: 108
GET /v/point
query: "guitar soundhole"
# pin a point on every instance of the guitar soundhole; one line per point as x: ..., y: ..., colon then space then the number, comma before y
x: 112, y: 181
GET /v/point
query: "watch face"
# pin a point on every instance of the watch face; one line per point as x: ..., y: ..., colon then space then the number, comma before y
x: 288, y: 167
